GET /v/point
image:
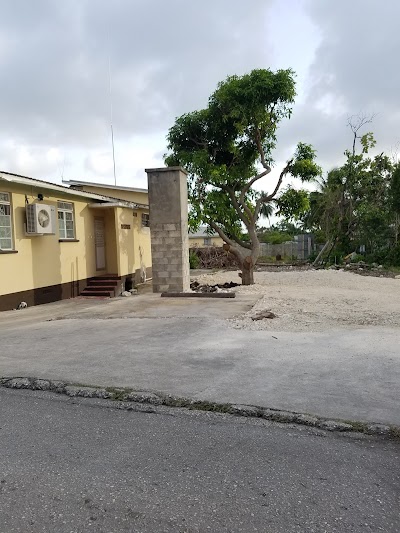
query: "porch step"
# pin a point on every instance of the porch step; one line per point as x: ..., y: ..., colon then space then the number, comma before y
x: 108, y: 294
x: 106, y: 277
x: 106, y: 285
x: 103, y: 282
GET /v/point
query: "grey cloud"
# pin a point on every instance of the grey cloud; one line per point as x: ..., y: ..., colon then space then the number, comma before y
x: 166, y: 57
x: 355, y: 68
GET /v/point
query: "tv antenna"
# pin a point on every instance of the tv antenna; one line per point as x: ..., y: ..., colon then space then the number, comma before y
x: 111, y: 106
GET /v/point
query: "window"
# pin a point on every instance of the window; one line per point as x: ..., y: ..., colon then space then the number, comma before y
x: 6, y: 241
x: 145, y: 220
x: 207, y: 241
x: 66, y: 224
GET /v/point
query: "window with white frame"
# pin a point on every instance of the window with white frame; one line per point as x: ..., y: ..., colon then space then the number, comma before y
x: 145, y: 220
x: 66, y: 222
x: 207, y: 241
x: 6, y: 241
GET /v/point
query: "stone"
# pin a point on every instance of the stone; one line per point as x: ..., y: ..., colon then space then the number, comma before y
x: 41, y: 384
x: 102, y: 393
x: 126, y: 293
x: 71, y: 390
x: 378, y: 429
x: 333, y: 425
x: 244, y: 410
x: 307, y: 420
x: 19, y: 383
x: 397, y: 277
x: 279, y: 416
x: 88, y: 392
x: 57, y: 386
x: 144, y: 397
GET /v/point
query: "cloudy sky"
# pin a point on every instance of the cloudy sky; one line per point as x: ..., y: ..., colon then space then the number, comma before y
x: 164, y: 58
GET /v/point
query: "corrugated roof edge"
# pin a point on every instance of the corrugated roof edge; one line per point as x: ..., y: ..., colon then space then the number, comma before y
x: 17, y: 178
x: 105, y: 186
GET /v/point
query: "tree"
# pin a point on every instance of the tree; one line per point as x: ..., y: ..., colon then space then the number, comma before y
x: 352, y: 206
x: 394, y: 195
x: 293, y: 204
x: 227, y: 148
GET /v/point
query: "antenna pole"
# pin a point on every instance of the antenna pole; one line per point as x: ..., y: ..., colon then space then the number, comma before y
x: 113, y: 154
x: 111, y: 109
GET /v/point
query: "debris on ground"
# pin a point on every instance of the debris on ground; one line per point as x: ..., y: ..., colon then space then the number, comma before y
x: 365, y: 269
x: 198, y: 287
x: 263, y: 314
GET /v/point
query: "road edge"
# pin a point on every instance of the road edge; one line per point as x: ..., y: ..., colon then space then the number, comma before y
x: 125, y: 394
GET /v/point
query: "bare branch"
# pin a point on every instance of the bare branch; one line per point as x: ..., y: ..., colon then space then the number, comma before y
x: 261, y: 150
x: 356, y: 122
x: 268, y: 197
x: 223, y: 236
x: 241, y: 243
x: 267, y: 168
x: 246, y: 188
x: 246, y: 220
x: 198, y: 143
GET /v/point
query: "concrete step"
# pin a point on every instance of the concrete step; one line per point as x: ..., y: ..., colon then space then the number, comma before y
x: 95, y: 293
x: 103, y: 282
x: 106, y: 277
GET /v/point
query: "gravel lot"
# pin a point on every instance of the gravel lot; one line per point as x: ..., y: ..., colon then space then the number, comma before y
x: 316, y: 300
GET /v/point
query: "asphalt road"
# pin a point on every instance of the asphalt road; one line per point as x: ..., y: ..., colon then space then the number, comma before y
x: 70, y: 466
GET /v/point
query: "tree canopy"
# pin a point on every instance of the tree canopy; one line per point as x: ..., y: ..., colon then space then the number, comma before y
x: 228, y: 147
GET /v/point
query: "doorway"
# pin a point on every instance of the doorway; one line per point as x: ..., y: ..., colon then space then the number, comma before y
x: 99, y: 242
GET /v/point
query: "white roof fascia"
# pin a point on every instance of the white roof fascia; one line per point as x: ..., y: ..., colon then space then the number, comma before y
x: 114, y: 204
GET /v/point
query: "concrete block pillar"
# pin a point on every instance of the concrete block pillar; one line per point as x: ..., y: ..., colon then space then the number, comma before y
x: 168, y: 203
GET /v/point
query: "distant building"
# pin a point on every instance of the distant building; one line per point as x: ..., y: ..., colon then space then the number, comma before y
x: 201, y: 238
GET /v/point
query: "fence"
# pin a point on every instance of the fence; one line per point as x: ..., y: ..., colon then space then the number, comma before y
x: 301, y: 248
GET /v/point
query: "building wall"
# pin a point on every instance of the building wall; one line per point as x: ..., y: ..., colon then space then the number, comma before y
x: 142, y: 247
x: 199, y: 242
x: 43, y: 261
x: 42, y: 269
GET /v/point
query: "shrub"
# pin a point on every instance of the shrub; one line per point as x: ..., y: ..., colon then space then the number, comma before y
x: 194, y: 260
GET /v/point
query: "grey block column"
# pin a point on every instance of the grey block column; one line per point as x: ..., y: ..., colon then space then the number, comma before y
x: 168, y: 202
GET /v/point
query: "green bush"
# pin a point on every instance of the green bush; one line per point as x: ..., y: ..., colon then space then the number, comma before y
x: 357, y: 258
x: 393, y: 257
x: 194, y: 260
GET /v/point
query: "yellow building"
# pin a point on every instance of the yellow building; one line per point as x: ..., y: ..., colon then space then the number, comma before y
x: 59, y: 242
x: 201, y: 239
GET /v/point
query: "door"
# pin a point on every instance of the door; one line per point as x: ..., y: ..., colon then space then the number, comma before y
x: 99, y: 242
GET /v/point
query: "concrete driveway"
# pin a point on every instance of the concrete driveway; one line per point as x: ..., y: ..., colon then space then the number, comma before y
x: 186, y: 347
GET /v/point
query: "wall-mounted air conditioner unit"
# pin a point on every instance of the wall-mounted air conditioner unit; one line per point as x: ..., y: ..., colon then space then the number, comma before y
x: 40, y: 219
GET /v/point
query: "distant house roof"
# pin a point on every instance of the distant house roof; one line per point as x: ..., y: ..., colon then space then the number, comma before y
x: 24, y: 180
x: 201, y: 233
x: 75, y: 183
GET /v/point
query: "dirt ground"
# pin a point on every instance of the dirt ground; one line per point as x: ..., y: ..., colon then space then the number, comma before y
x: 315, y: 300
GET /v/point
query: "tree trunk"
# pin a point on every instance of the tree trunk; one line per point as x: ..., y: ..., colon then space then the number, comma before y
x: 244, y: 261
x: 248, y: 270
x: 247, y: 275
x: 321, y: 253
